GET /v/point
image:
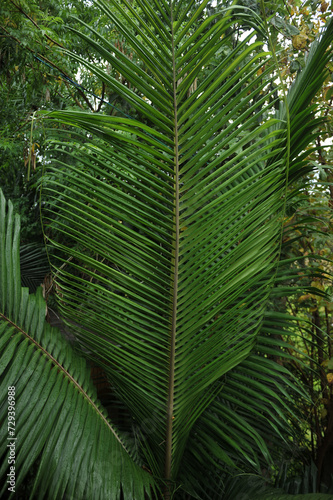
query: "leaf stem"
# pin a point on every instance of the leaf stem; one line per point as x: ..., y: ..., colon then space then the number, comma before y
x: 66, y: 374
x: 170, y: 403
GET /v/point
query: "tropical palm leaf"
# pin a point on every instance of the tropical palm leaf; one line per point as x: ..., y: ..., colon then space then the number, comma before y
x: 54, y: 419
x: 174, y: 224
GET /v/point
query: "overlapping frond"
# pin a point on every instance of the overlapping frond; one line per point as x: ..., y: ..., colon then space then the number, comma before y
x: 55, y: 424
x: 34, y: 265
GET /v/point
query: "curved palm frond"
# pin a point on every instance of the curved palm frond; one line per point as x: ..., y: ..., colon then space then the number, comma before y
x: 54, y: 421
x: 174, y: 224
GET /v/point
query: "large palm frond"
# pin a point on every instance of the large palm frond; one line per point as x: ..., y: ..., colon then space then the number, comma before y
x: 177, y: 224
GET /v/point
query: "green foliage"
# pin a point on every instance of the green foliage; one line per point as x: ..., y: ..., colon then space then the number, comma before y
x: 166, y: 219
x: 59, y: 421
x: 35, y: 75
x: 170, y: 236
x: 308, y: 240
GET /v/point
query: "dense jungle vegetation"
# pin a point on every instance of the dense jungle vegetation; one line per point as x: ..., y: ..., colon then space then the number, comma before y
x: 166, y: 249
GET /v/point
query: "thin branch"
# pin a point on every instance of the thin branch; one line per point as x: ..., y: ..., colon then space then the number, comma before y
x: 102, y: 98
x: 289, y: 12
x: 75, y: 98
x: 51, y: 63
x: 35, y: 24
